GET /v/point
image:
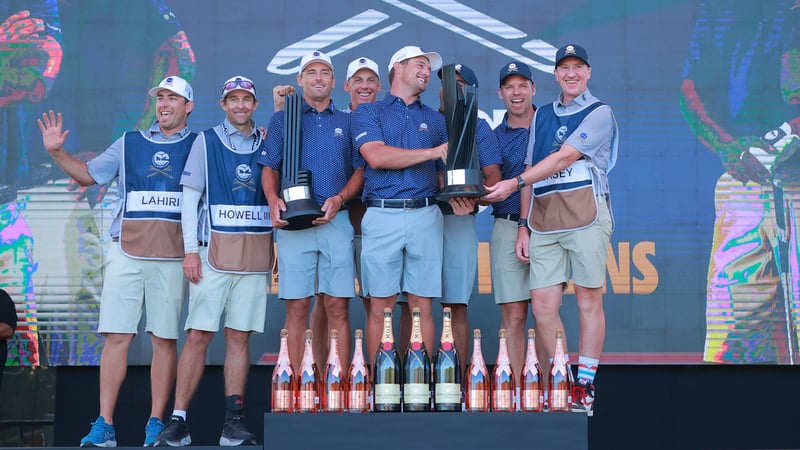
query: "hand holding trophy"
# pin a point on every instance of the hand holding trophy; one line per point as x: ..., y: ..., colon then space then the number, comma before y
x: 296, y: 190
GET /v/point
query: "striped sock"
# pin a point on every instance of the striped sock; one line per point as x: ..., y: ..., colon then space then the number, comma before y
x: 587, y: 368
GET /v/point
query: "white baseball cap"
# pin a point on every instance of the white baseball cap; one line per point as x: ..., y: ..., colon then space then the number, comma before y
x: 238, y: 83
x: 175, y: 84
x: 315, y: 56
x: 412, y: 51
x: 362, y: 63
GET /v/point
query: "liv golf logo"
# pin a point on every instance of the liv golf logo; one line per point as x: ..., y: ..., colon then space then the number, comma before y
x: 370, y: 24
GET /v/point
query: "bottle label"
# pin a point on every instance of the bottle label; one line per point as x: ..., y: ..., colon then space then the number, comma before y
x: 477, y: 400
x: 559, y: 400
x: 447, y: 393
x: 282, y: 400
x: 416, y: 393
x: 357, y: 400
x: 503, y: 400
x: 387, y: 394
x: 531, y: 399
x: 308, y: 401
x: 335, y: 401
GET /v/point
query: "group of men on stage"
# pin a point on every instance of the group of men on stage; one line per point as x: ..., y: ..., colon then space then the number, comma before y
x: 206, y: 206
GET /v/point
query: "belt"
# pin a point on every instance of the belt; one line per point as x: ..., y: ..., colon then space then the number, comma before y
x: 512, y: 217
x: 202, y: 244
x: 404, y: 203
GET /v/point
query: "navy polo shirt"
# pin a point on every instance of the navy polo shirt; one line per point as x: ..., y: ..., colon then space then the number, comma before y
x: 414, y: 126
x: 327, y: 149
x: 488, y: 147
x: 513, y: 148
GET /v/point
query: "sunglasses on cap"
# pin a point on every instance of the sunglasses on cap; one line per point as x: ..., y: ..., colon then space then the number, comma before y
x: 244, y: 84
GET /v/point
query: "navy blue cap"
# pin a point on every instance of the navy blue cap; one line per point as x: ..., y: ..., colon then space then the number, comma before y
x: 466, y: 73
x: 572, y: 51
x: 515, y: 68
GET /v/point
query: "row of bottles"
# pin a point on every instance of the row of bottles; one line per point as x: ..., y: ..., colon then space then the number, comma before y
x: 337, y: 391
x: 310, y: 393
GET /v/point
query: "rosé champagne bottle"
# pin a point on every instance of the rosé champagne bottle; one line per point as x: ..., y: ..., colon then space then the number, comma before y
x: 308, y: 389
x: 416, y: 370
x: 387, y: 370
x: 358, y: 379
x: 476, y: 390
x: 333, y: 389
x: 503, y: 381
x: 558, y: 393
x: 532, y: 394
x: 284, y: 379
x: 447, y: 369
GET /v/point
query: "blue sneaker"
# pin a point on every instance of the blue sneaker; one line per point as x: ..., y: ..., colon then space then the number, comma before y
x: 100, y: 435
x: 151, y: 430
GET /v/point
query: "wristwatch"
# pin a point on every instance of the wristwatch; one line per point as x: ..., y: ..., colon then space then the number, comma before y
x: 520, y: 182
x: 522, y: 223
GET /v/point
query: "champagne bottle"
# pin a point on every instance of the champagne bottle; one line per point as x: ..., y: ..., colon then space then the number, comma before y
x: 387, y: 370
x: 333, y: 390
x: 447, y: 369
x: 416, y: 370
x: 358, y: 379
x: 308, y: 390
x: 558, y: 394
x: 477, y: 379
x: 532, y: 395
x: 284, y: 379
x: 503, y: 381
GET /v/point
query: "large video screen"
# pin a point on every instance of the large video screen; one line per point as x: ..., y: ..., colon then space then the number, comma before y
x: 703, y: 262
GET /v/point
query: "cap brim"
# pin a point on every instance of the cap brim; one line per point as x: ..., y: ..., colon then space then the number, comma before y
x: 154, y: 91
x: 435, y: 59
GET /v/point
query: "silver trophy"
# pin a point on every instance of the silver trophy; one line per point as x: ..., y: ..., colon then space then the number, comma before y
x: 463, y: 177
x: 296, y: 190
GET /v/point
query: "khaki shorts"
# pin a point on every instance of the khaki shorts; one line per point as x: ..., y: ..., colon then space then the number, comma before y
x: 510, y: 276
x: 579, y: 254
x: 131, y: 284
x: 243, y: 299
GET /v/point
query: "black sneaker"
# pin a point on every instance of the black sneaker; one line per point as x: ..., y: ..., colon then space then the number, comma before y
x: 174, y: 434
x: 235, y: 433
x: 582, y: 397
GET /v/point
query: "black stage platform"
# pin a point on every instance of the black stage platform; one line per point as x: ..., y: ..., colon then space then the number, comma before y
x: 638, y: 407
x: 428, y: 431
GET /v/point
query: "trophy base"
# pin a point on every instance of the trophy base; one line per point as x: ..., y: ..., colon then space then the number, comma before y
x: 461, y: 190
x: 300, y: 214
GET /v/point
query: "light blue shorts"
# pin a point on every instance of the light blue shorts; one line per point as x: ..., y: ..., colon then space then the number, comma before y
x: 402, y: 251
x: 460, y: 262
x: 317, y: 260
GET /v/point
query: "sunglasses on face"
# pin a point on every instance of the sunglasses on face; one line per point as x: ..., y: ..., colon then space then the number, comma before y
x: 244, y: 84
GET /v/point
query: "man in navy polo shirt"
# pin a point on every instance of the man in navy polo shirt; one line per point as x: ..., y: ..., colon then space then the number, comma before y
x: 404, y: 143
x: 510, y: 279
x: 319, y: 257
x: 460, y: 250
